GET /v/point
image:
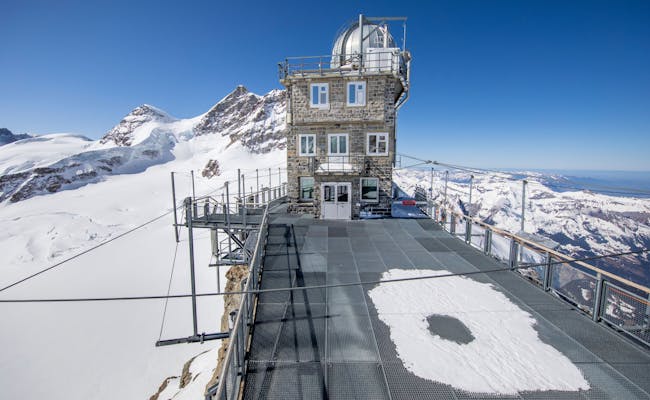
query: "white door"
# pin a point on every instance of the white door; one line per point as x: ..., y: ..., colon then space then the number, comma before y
x: 336, y: 202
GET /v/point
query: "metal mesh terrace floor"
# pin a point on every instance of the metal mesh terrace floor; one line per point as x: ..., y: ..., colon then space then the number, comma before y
x: 329, y: 343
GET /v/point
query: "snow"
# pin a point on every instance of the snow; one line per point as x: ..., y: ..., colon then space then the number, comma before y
x: 201, y: 368
x: 39, y: 151
x: 105, y: 350
x: 506, y: 355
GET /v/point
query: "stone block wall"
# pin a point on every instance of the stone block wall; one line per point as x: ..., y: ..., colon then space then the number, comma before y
x: 377, y: 116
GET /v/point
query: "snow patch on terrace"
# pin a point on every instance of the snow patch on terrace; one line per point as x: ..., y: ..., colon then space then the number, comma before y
x: 506, y: 355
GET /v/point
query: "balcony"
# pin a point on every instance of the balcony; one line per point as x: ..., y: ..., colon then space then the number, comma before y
x: 374, y: 61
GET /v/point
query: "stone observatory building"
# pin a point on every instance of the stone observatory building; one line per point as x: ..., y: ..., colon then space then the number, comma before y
x: 341, y: 118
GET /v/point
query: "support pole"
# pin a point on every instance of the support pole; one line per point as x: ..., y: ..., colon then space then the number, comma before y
x: 257, y: 187
x: 446, y: 181
x: 229, y: 233
x: 270, y: 182
x: 193, y: 189
x: 598, y: 299
x: 360, y: 44
x: 279, y: 176
x: 190, y: 239
x: 174, y: 205
x: 523, y: 203
x: 487, y: 245
x: 238, y: 188
x: 548, y: 272
x: 431, y: 194
x: 471, y: 185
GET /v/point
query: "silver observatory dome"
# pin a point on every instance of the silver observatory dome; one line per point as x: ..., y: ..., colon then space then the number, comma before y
x: 346, y: 46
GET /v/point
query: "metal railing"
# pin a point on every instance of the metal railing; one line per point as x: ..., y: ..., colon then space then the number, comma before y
x: 605, y: 296
x: 349, y: 164
x: 234, y: 204
x: 374, y: 61
x: 234, y: 363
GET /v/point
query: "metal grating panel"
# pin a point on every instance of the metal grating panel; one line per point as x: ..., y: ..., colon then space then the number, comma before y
x: 285, y: 381
x: 356, y: 381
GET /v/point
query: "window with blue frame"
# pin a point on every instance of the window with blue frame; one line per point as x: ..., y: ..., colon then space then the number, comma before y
x: 356, y: 94
x: 320, y: 95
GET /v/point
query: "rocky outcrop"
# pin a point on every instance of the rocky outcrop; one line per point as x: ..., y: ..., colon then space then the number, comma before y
x: 258, y: 122
x: 6, y: 136
x: 235, y: 276
x: 211, y: 169
x: 122, y: 133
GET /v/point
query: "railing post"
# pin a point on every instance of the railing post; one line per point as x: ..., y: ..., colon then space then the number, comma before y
x: 468, y: 231
x: 487, y: 245
x: 452, y: 224
x: 514, y: 254
x: 548, y: 271
x: 598, y: 299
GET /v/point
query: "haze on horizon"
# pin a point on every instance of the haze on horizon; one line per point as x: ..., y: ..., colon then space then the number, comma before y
x: 508, y: 84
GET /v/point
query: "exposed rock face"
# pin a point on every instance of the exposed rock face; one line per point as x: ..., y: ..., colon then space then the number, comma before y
x: 122, y: 133
x: 257, y: 121
x: 235, y: 275
x: 211, y: 169
x: 6, y: 136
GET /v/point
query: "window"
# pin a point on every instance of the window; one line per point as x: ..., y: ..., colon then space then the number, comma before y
x: 370, y: 190
x: 307, y: 145
x: 356, y: 93
x: 377, y: 144
x: 338, y: 144
x: 306, y: 188
x: 320, y: 95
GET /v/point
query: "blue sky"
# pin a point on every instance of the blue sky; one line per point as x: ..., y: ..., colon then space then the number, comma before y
x: 505, y: 84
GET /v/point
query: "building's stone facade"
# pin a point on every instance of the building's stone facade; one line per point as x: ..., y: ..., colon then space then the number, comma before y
x: 376, y: 116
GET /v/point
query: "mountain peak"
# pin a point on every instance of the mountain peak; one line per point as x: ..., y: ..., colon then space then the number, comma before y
x: 6, y: 136
x: 122, y: 133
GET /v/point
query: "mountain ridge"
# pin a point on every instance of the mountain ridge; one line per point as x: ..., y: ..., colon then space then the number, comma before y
x: 144, y: 137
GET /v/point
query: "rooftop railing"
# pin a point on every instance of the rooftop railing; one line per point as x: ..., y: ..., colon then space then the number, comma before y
x: 375, y: 61
x: 605, y: 296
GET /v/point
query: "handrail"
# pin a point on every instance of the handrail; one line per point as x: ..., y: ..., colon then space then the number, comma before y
x: 237, y: 345
x: 379, y: 60
x: 539, y: 247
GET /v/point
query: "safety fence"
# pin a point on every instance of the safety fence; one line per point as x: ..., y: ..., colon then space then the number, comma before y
x: 604, y: 295
x: 375, y: 60
x: 234, y: 363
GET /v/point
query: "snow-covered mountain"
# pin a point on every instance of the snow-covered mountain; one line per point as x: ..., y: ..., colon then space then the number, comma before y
x: 145, y: 137
x: 63, y: 194
x: 584, y: 223
x: 6, y: 136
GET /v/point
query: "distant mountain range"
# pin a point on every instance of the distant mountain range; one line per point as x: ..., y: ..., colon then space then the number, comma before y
x: 31, y: 166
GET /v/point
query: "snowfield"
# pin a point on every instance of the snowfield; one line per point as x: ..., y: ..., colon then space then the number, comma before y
x: 502, y: 357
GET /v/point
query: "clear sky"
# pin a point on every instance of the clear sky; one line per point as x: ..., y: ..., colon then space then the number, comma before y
x: 521, y: 84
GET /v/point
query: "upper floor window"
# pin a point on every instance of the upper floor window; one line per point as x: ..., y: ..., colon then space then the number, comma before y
x: 377, y: 144
x: 338, y: 144
x: 356, y: 93
x: 307, y: 145
x: 320, y: 97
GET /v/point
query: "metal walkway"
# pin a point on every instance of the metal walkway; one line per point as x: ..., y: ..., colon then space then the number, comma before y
x: 329, y: 343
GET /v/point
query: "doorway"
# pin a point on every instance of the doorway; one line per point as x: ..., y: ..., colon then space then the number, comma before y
x: 335, y: 200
